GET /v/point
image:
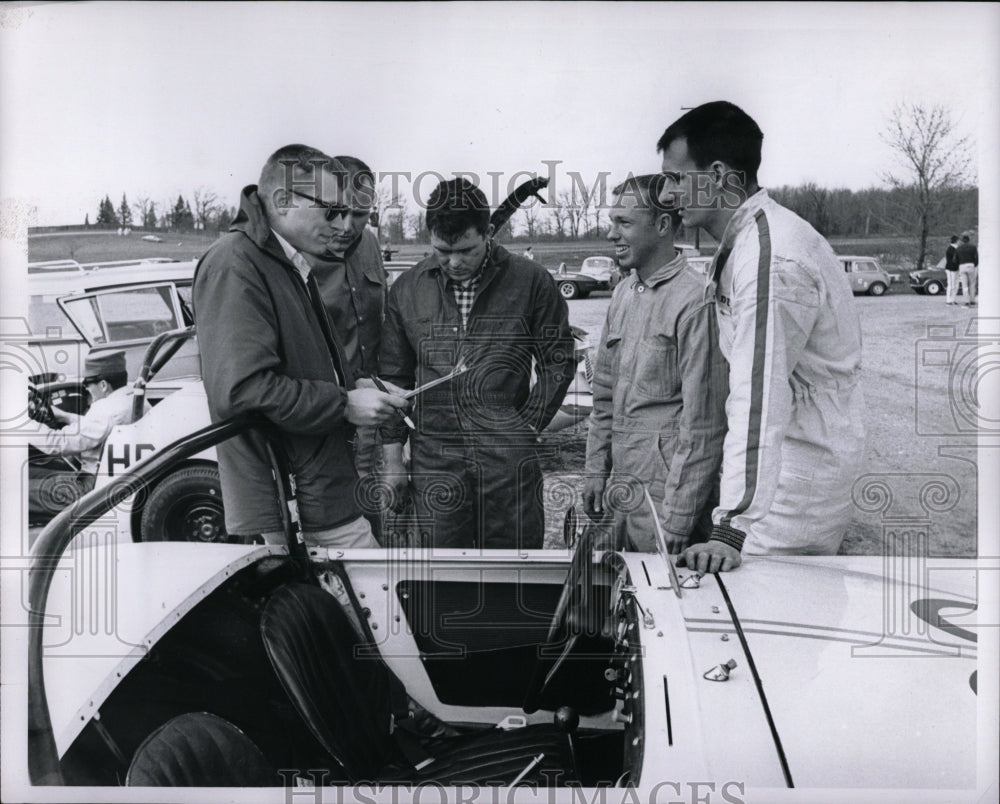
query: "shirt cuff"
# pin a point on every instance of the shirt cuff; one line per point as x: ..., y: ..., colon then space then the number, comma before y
x: 728, y: 535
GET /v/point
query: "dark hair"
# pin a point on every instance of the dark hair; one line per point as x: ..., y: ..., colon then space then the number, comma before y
x: 954, y: 238
x: 456, y: 206
x: 965, y: 238
x: 116, y: 380
x: 283, y: 165
x: 360, y: 178
x: 718, y: 130
x: 646, y: 189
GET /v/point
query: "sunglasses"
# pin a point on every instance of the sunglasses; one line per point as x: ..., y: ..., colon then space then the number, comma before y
x: 332, y: 210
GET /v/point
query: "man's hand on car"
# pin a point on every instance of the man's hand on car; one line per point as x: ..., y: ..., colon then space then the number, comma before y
x: 711, y: 556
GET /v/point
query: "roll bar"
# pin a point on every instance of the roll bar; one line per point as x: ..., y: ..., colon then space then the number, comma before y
x: 43, y: 756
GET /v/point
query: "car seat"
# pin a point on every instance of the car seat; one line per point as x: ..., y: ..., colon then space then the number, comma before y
x: 344, y: 692
x: 199, y: 749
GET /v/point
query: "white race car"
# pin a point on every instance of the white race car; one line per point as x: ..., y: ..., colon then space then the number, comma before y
x: 369, y: 671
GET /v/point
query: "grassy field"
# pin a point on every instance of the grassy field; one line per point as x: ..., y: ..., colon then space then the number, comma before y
x: 918, y: 445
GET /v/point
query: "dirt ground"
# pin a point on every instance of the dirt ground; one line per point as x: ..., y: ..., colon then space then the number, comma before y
x: 919, y: 382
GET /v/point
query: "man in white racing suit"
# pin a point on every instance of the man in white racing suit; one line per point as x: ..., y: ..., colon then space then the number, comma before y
x: 791, y: 334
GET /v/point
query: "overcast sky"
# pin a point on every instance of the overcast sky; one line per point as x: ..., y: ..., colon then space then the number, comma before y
x: 158, y: 99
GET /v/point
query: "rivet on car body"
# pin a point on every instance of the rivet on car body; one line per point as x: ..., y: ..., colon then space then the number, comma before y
x: 715, y: 609
x: 725, y: 637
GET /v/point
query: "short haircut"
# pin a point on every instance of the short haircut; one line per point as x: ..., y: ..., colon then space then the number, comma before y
x: 116, y: 381
x: 718, y: 130
x: 954, y: 238
x: 965, y: 238
x: 296, y: 165
x: 456, y: 206
x: 646, y: 190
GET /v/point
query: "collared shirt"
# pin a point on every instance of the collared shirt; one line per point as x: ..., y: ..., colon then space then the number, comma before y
x: 465, y: 295
x: 354, y: 288
x: 465, y: 292
x: 295, y: 257
x: 304, y: 269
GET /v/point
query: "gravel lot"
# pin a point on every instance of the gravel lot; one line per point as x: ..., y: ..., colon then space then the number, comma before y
x: 920, y: 388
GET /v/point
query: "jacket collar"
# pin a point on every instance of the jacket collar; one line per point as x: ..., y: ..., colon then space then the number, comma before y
x: 252, y: 221
x: 743, y: 217
x: 495, y: 263
x: 664, y: 273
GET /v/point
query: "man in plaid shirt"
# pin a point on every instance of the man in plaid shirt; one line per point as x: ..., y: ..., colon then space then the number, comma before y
x: 475, y: 472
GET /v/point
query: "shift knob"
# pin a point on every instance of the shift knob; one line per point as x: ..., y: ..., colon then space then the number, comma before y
x: 566, y: 719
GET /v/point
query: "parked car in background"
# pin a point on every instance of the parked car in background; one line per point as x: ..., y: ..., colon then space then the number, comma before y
x: 865, y: 275
x: 931, y: 281
x: 152, y: 238
x: 573, y: 284
x: 603, y: 269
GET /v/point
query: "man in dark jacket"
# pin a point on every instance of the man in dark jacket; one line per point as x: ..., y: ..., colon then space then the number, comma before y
x: 951, y: 270
x: 967, y: 257
x: 475, y: 470
x: 267, y: 347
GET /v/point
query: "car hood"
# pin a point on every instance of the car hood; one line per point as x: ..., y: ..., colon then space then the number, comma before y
x: 887, y: 668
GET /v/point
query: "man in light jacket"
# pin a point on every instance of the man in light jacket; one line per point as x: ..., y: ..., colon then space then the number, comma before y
x: 790, y: 331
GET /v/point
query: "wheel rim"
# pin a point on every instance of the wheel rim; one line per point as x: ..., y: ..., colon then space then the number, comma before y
x: 877, y: 290
x: 567, y: 290
x: 200, y: 521
x: 933, y: 289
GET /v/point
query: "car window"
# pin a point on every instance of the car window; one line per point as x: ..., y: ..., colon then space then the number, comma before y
x: 46, y: 320
x: 125, y: 315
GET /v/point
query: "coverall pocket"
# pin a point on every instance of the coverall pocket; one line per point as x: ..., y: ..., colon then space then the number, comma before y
x: 656, y: 368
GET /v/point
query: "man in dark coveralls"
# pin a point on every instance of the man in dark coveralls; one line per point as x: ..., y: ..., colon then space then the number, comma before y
x: 475, y: 471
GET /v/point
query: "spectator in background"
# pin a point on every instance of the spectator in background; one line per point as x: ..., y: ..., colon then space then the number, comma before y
x: 967, y: 257
x: 267, y: 347
x: 529, y: 254
x: 790, y: 331
x: 951, y: 270
x: 81, y: 439
x: 659, y: 384
x: 475, y: 469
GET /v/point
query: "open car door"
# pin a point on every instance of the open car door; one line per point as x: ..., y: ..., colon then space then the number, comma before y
x: 128, y: 318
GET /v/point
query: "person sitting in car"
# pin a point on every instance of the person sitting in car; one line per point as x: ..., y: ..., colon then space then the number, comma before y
x: 81, y: 439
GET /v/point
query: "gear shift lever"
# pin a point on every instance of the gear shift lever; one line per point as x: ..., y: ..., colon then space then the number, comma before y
x: 566, y: 720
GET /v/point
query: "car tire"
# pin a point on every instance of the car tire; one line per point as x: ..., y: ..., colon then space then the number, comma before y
x: 568, y: 290
x: 186, y: 507
x: 877, y: 289
x: 933, y: 288
x: 919, y: 291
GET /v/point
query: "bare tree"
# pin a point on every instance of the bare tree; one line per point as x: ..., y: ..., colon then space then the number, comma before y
x: 573, y: 208
x: 532, y: 220
x: 205, y: 205
x: 934, y: 157
x: 145, y: 212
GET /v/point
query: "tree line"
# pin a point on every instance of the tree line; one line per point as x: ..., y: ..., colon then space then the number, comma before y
x: 207, y: 213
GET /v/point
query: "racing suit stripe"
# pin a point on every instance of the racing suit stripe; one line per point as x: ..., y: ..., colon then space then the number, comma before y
x: 759, y: 378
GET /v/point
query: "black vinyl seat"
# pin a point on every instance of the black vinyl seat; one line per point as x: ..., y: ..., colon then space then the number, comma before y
x: 343, y: 691
x: 199, y: 749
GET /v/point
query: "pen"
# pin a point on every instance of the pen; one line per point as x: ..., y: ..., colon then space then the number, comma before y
x: 381, y: 386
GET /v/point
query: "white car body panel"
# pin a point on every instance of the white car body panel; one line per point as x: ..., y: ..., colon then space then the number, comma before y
x: 846, y: 715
